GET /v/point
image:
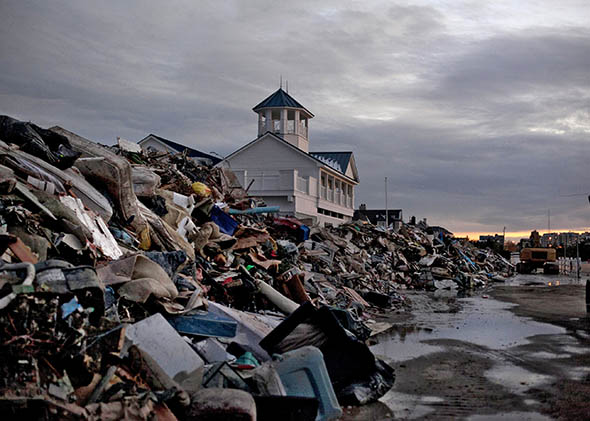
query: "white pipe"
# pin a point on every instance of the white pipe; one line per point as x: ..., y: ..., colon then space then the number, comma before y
x: 28, y: 280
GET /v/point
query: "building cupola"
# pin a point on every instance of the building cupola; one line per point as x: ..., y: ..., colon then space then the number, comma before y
x: 281, y: 114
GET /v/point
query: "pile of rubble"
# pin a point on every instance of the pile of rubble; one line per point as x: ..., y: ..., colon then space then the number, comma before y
x: 138, y: 284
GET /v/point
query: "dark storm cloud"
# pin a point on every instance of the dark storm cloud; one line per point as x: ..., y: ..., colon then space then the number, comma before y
x: 475, y: 128
x: 535, y: 61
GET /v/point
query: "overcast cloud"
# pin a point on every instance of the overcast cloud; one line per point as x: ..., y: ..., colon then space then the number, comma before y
x: 479, y: 114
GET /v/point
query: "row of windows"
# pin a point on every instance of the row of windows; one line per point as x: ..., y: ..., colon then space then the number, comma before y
x: 330, y: 213
x: 336, y: 191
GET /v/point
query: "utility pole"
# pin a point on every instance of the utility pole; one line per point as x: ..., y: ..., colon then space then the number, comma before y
x: 386, y: 207
x: 578, y: 257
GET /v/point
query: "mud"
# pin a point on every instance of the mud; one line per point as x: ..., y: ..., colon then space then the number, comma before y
x: 523, y: 353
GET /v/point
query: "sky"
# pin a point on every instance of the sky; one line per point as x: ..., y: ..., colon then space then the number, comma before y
x: 477, y: 112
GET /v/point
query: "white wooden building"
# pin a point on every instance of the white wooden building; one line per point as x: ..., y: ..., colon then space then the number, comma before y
x: 278, y: 166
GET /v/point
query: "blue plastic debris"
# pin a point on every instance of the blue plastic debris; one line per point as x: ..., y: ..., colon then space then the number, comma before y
x: 468, y: 259
x: 303, y: 373
x: 304, y: 232
x: 248, y: 360
x: 122, y: 235
x: 69, y: 307
x: 205, y: 324
x: 226, y: 223
x: 251, y: 211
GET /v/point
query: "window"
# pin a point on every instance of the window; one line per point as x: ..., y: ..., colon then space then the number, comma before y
x: 290, y: 121
x: 276, y: 121
x: 301, y: 184
x: 330, y: 213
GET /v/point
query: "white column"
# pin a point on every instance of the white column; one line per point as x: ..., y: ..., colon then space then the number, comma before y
x: 297, y: 122
x: 283, y: 121
x: 268, y: 115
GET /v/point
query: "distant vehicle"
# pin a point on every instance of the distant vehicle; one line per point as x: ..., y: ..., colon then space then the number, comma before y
x: 534, y: 258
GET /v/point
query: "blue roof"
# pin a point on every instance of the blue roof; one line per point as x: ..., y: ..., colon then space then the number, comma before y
x: 336, y: 160
x: 280, y: 99
x: 192, y: 153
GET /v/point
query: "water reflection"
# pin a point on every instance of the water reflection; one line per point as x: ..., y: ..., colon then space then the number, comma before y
x: 481, y: 321
x: 545, y: 280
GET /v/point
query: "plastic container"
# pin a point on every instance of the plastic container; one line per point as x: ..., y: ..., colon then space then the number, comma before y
x: 303, y: 373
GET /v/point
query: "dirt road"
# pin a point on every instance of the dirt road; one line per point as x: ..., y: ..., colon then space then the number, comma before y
x: 513, y: 352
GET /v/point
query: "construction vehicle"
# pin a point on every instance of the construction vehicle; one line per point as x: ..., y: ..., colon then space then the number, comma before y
x: 533, y: 258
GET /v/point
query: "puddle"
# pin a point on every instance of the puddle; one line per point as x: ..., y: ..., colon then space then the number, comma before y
x: 516, y: 379
x: 405, y: 343
x: 544, y: 280
x: 511, y: 416
x: 485, y: 322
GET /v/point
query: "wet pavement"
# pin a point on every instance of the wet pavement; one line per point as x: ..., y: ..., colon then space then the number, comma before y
x: 484, y: 322
x: 474, y: 359
x: 538, y: 279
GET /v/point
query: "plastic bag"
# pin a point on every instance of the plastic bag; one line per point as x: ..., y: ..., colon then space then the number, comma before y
x: 201, y: 190
x: 42, y: 143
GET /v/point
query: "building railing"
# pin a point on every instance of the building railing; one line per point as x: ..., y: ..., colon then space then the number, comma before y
x: 337, y: 197
x: 303, y: 130
x: 275, y: 127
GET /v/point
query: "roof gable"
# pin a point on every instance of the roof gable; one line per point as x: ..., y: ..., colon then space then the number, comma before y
x: 342, y: 162
x: 337, y: 160
x: 295, y: 148
x: 266, y: 136
x: 279, y: 99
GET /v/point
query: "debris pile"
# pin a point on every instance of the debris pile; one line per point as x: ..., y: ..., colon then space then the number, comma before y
x: 378, y: 264
x: 139, y: 283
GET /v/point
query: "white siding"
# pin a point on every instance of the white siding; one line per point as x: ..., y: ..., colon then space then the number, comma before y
x: 284, y: 177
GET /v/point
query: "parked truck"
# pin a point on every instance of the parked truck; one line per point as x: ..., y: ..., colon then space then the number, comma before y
x: 534, y: 258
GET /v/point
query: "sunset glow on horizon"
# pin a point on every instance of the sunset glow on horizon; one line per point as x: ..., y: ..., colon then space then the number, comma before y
x: 517, y: 235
